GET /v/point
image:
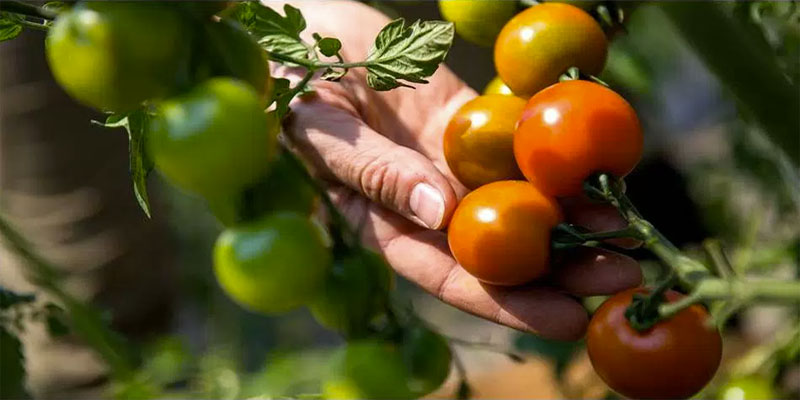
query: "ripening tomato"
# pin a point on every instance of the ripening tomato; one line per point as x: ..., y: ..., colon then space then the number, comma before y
x: 479, y: 140
x: 115, y: 55
x: 274, y: 264
x: 573, y: 129
x: 500, y: 232
x: 673, y: 359
x: 215, y: 140
x: 496, y: 86
x: 541, y: 43
x: 478, y: 21
x: 367, y: 369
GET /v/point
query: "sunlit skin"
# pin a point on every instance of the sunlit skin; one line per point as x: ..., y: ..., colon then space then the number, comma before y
x: 573, y: 129
x: 496, y: 86
x: 479, y: 140
x: 673, y: 359
x: 500, y: 232
x: 541, y: 43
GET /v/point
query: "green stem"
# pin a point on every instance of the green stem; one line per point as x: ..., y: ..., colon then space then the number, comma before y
x: 86, y: 322
x: 29, y: 10
x: 34, y: 25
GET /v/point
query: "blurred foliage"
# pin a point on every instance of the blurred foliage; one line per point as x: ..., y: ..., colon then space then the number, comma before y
x: 560, y: 353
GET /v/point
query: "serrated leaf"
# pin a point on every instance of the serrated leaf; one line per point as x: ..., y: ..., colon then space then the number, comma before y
x: 12, y: 365
x: 333, y: 74
x: 10, y: 298
x: 140, y: 165
x: 278, y: 34
x: 10, y: 27
x: 329, y: 46
x: 409, y: 54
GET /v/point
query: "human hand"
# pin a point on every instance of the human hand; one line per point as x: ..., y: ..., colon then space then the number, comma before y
x: 382, y: 155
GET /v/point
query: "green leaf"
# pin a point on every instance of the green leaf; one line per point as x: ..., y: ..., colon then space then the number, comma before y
x: 409, y: 54
x: 135, y: 123
x: 12, y: 365
x: 284, y: 93
x: 10, y: 27
x: 55, y: 320
x: 277, y: 34
x: 329, y: 46
x: 333, y: 74
x: 9, y: 298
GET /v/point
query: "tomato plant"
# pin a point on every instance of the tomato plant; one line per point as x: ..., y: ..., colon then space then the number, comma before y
x: 214, y: 140
x: 500, y: 232
x: 673, y: 359
x: 572, y: 130
x: 479, y: 140
x: 257, y: 263
x: 114, y: 56
x: 477, y: 21
x: 539, y: 44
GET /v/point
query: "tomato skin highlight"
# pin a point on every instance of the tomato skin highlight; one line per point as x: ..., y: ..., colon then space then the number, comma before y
x: 541, y: 43
x: 497, y: 86
x: 673, y: 359
x: 479, y: 140
x: 572, y: 130
x: 274, y: 264
x: 500, y: 232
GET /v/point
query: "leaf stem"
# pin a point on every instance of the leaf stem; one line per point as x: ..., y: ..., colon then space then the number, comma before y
x: 29, y: 10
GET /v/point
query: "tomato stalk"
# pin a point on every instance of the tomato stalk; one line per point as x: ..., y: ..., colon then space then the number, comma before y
x: 18, y: 7
x: 704, y: 285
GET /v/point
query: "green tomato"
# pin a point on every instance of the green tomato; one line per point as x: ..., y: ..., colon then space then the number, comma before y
x: 228, y: 50
x: 368, y: 369
x: 215, y: 140
x: 284, y: 189
x: 272, y: 265
x: 205, y: 9
x: 496, y: 86
x: 115, y: 55
x: 751, y: 387
x: 354, y: 293
x: 478, y: 21
x: 427, y: 356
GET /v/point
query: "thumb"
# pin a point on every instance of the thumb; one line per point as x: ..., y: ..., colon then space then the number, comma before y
x: 342, y: 146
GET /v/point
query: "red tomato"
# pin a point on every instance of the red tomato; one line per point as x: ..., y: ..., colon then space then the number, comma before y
x: 479, y: 140
x: 541, y: 43
x: 573, y: 129
x: 500, y: 233
x: 673, y: 359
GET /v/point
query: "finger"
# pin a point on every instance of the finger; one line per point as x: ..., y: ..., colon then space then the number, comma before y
x: 423, y: 257
x: 597, y: 217
x: 591, y: 272
x: 341, y: 145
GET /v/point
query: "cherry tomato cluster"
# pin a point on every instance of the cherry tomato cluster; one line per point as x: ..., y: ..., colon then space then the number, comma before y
x: 556, y: 134
x: 203, y: 84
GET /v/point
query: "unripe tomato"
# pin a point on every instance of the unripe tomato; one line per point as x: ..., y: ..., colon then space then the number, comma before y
x: 231, y: 51
x: 541, y: 43
x: 479, y: 140
x: 355, y: 291
x: 500, y: 232
x: 478, y: 21
x: 215, y: 140
x: 750, y: 387
x: 427, y: 356
x: 206, y: 9
x: 672, y: 360
x: 496, y: 86
x: 573, y: 129
x: 284, y: 189
x: 367, y: 369
x: 272, y: 265
x: 115, y: 55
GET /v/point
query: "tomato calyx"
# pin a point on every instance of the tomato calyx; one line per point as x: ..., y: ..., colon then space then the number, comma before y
x: 566, y: 236
x: 643, y: 312
x: 574, y: 74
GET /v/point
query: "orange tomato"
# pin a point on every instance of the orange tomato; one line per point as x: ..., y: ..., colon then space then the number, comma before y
x: 479, y: 140
x: 542, y: 42
x: 672, y: 360
x: 500, y: 233
x: 573, y: 129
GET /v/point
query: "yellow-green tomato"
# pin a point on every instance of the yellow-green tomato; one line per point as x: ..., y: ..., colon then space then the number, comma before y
x: 751, y: 387
x: 541, y: 43
x: 496, y: 86
x: 367, y: 369
x: 214, y: 140
x: 272, y: 265
x: 355, y: 291
x: 478, y: 21
x: 427, y: 356
x: 115, y: 55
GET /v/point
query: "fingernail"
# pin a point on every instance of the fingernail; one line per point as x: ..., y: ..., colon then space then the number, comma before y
x: 427, y: 204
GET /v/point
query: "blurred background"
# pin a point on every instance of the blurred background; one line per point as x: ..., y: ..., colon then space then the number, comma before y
x: 708, y: 172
